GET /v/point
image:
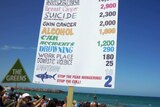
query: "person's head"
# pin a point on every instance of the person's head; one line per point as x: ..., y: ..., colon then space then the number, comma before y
x: 26, y: 97
x: 2, y: 90
x: 12, y: 89
x: 74, y: 102
x: 95, y: 98
x: 60, y: 103
x: 87, y: 104
x: 51, y: 103
x: 93, y: 104
x: 56, y: 101
x: 44, y: 97
x: 36, y: 97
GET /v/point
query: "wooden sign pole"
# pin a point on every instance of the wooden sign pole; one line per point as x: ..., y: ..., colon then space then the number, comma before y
x: 70, y: 96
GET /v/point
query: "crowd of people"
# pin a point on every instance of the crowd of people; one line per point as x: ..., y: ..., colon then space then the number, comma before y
x: 17, y: 99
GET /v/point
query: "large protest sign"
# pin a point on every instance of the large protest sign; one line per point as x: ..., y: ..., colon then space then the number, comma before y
x: 16, y: 74
x: 77, y: 43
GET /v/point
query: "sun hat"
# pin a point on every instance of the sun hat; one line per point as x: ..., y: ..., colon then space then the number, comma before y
x: 25, y: 95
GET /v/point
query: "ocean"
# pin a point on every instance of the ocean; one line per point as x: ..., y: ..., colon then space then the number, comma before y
x: 110, y: 100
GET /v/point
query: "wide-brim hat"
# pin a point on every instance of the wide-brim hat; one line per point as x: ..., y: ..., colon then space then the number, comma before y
x: 26, y: 95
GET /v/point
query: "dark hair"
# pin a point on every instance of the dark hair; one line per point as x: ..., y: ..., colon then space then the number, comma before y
x: 12, y: 88
x: 60, y: 103
x: 56, y: 101
x: 36, y: 97
x: 51, y: 103
x: 88, y: 104
x: 44, y: 96
x: 1, y: 88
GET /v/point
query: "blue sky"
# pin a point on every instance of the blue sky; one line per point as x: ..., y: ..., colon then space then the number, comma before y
x: 138, y: 52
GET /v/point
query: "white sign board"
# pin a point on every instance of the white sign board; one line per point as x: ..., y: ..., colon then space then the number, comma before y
x: 77, y: 43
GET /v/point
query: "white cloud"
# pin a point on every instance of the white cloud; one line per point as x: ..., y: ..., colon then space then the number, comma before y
x: 6, y: 47
x: 33, y: 48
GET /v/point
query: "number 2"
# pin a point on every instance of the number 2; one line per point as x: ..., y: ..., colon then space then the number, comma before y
x: 109, y: 79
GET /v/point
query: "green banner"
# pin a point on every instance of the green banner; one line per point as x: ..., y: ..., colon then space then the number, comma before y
x: 16, y: 74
